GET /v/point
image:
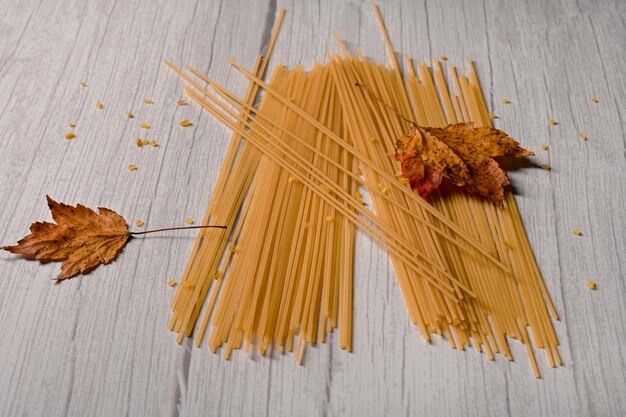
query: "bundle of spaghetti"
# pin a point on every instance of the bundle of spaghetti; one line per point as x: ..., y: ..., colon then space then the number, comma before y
x: 507, y: 299
x: 290, y: 267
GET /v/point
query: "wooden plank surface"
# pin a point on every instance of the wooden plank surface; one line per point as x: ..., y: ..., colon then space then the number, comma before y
x: 99, y: 345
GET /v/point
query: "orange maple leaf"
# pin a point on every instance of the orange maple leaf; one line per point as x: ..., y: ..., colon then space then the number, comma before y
x: 81, y: 238
x: 460, y: 152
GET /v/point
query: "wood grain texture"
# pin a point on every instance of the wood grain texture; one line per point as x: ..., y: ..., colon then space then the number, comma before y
x: 98, y: 345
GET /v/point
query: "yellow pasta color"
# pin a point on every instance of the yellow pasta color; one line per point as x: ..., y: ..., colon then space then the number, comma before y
x: 148, y: 101
x: 591, y: 285
x: 182, y: 102
x: 139, y: 223
x: 99, y: 105
x: 577, y: 232
x: 144, y: 125
x: 132, y: 167
x: 172, y: 283
x: 185, y: 123
x: 71, y: 124
x: 189, y: 220
x: 70, y: 135
x: 130, y: 115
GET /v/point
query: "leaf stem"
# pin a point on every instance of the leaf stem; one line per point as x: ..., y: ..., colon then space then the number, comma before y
x: 380, y: 100
x: 175, y: 228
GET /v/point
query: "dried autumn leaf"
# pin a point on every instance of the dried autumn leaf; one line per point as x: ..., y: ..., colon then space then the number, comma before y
x: 460, y: 152
x: 81, y: 238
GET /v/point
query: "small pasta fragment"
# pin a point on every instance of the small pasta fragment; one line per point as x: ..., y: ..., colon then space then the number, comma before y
x: 185, y: 123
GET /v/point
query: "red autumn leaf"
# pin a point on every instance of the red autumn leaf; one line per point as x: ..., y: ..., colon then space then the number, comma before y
x: 460, y: 152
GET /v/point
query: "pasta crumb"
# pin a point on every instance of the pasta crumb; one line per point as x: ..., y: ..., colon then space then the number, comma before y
x: 130, y: 115
x: 182, y: 102
x: 552, y: 122
x: 544, y: 147
x: 144, y: 125
x: 582, y: 137
x: 577, y: 232
x: 132, y: 167
x: 70, y: 135
x: 595, y: 100
x: 547, y: 167
x: 148, y: 101
x: 443, y: 58
x: 189, y: 220
x: 71, y: 124
x: 154, y: 143
x: 591, y: 285
x: 141, y: 142
x: 83, y: 84
x: 506, y: 101
x: 185, y: 123
x: 493, y: 116
x: 139, y: 223
x: 172, y: 283
x: 99, y: 105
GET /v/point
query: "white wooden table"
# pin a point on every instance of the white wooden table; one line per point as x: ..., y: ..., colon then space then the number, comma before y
x: 98, y: 345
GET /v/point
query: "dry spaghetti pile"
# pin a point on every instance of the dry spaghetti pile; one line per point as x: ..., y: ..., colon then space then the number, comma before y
x: 281, y: 275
